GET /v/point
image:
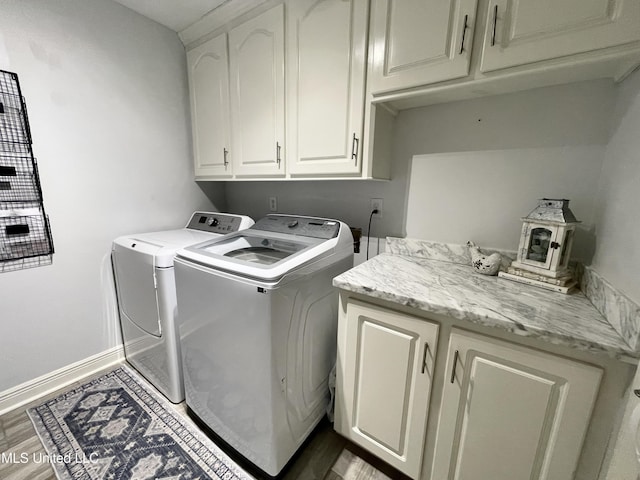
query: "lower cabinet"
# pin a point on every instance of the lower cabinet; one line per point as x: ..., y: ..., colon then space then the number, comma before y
x: 385, y: 367
x: 509, y: 412
x: 503, y: 411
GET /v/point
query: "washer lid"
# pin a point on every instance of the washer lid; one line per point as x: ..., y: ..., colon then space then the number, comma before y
x: 258, y: 254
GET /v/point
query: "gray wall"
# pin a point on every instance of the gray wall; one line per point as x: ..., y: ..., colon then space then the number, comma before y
x: 107, y: 98
x: 617, y: 218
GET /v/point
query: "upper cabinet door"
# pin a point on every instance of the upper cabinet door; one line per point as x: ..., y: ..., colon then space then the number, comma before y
x: 256, y: 56
x: 326, y: 85
x: 417, y: 42
x: 519, y: 32
x: 209, y: 90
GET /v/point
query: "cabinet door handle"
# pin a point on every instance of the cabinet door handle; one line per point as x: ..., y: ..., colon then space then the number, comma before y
x: 354, y: 148
x: 225, y: 152
x: 424, y: 356
x: 464, y: 33
x: 278, y: 153
x: 455, y: 362
x: 495, y: 21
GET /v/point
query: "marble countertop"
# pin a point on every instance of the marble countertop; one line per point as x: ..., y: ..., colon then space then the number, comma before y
x: 455, y: 290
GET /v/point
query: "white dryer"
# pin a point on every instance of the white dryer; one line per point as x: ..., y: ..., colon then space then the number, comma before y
x: 258, y: 321
x: 145, y: 287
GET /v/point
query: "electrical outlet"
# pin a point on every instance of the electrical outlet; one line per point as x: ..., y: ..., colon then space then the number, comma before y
x: 377, y: 204
x: 273, y: 204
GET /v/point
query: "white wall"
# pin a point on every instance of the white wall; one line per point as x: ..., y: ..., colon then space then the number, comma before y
x: 482, y: 195
x: 617, y: 255
x: 493, y: 157
x: 107, y: 100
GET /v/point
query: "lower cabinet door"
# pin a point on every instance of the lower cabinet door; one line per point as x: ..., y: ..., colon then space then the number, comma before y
x: 385, y: 369
x: 510, y: 412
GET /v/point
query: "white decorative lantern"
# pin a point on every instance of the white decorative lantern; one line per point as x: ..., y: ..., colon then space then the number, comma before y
x: 546, y: 239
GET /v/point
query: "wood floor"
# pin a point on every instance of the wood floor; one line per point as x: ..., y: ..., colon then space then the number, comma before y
x: 325, y: 456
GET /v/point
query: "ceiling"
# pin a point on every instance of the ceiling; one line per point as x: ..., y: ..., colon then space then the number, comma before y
x: 175, y: 14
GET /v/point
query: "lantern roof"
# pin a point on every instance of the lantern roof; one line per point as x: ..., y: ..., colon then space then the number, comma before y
x: 552, y: 210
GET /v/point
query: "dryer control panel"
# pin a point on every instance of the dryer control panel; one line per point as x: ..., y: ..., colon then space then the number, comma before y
x: 215, y: 222
x: 306, y: 226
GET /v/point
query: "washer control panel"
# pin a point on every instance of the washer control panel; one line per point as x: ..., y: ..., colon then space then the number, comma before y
x: 305, y: 226
x: 215, y: 222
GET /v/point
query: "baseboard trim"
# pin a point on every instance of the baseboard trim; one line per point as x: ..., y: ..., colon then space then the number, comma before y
x: 29, y: 391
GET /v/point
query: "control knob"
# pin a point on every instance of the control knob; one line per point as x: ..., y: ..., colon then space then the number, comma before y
x: 213, y: 222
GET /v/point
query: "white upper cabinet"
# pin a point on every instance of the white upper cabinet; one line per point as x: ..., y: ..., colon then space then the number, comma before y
x: 520, y: 32
x: 326, y: 64
x: 209, y: 88
x: 509, y: 412
x: 256, y: 60
x: 385, y: 370
x: 418, y: 42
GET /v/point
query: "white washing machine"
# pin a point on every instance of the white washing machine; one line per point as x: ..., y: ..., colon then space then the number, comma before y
x: 145, y: 286
x: 258, y: 320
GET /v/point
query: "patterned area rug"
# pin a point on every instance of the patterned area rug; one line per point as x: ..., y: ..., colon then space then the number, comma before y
x: 116, y: 428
